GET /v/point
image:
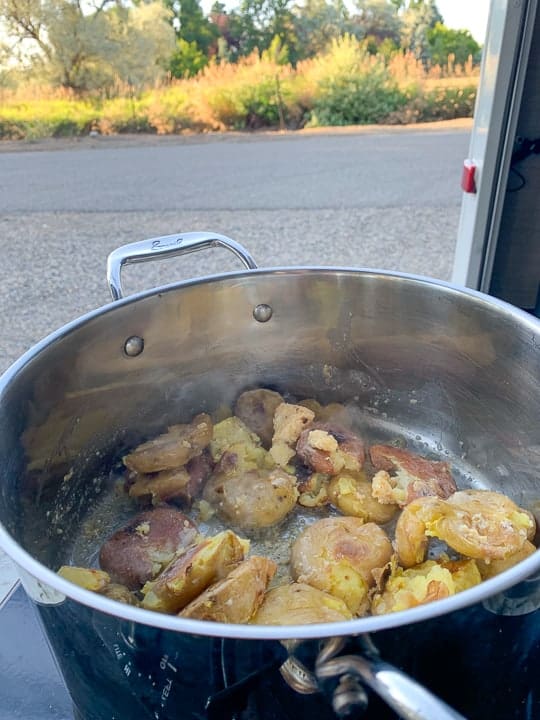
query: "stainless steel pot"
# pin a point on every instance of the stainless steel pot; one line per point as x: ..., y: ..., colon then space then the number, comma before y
x: 453, y: 371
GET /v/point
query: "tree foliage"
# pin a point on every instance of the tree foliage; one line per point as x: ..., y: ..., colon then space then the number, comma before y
x: 90, y: 50
x: 444, y: 41
x: 95, y: 47
x: 317, y: 23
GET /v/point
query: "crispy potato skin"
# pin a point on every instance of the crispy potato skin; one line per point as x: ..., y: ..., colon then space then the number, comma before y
x: 479, y: 524
x: 413, y: 476
x: 236, y: 598
x: 193, y: 571
x: 256, y: 409
x: 495, y: 567
x: 139, y: 551
x: 173, y: 449
x: 254, y: 498
x: 351, y: 494
x: 179, y: 486
x: 338, y: 555
x: 299, y: 604
x: 329, y: 448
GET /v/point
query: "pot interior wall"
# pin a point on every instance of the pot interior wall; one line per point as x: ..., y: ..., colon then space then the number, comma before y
x: 452, y: 374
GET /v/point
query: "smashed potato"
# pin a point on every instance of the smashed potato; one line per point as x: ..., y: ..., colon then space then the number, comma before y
x: 229, y: 432
x: 87, y: 578
x: 338, y: 555
x: 268, y: 461
x: 351, y: 494
x: 412, y: 476
x: 254, y: 498
x: 495, y: 567
x: 179, y: 486
x: 329, y: 449
x: 423, y: 583
x: 175, y: 448
x: 313, y: 490
x: 140, y: 550
x: 289, y: 422
x: 479, y: 524
x: 236, y: 598
x: 298, y: 604
x: 256, y: 409
x: 193, y: 571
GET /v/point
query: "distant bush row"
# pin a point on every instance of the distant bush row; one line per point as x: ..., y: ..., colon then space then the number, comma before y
x: 345, y: 86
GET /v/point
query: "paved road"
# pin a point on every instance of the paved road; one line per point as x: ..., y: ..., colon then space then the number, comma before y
x: 383, y: 199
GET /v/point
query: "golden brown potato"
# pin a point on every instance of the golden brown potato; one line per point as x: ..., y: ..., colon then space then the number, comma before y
x: 229, y: 432
x: 236, y: 598
x: 496, y: 567
x: 120, y: 593
x: 173, y: 449
x: 256, y: 409
x: 328, y: 448
x: 179, y: 486
x: 338, y: 555
x: 139, y: 551
x: 479, y: 524
x: 404, y: 476
x: 312, y: 489
x: 193, y: 571
x: 351, y: 494
x: 299, y: 604
x: 424, y: 583
x: 252, y: 499
x: 289, y: 421
x: 87, y: 578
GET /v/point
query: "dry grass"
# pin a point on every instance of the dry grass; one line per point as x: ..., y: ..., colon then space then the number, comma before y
x: 255, y: 92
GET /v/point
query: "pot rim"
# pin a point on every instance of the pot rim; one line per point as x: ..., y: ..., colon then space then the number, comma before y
x: 60, y: 589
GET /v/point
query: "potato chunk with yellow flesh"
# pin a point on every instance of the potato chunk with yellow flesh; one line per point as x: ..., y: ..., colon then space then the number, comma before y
x: 236, y: 598
x: 351, y: 494
x: 423, y: 584
x: 298, y: 604
x: 192, y: 572
x: 87, y: 578
x: 231, y: 431
x: 338, y: 555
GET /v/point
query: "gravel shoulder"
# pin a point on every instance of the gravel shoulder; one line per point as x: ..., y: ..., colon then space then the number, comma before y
x: 143, y: 140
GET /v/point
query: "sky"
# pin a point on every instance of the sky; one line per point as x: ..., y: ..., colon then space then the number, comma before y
x: 458, y: 14
x: 466, y: 15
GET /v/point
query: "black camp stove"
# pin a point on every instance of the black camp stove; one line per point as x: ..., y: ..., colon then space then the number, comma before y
x: 241, y: 679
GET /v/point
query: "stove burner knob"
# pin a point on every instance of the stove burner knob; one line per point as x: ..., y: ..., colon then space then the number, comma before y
x: 350, y: 700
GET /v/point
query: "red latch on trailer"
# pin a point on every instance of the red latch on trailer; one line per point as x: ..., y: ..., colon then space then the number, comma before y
x: 468, y: 183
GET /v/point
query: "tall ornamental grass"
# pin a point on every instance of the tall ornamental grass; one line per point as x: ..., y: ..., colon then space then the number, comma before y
x: 346, y: 85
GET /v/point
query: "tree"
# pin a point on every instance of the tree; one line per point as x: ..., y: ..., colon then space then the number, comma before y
x: 187, y: 60
x: 444, y: 41
x: 190, y: 23
x: 89, y: 50
x: 257, y: 22
x: 317, y: 23
x: 378, y: 19
x: 419, y: 18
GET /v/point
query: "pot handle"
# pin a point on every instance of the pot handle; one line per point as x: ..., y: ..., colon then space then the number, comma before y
x: 409, y: 699
x: 159, y: 248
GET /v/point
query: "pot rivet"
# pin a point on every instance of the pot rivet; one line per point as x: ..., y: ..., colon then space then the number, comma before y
x: 262, y: 313
x: 134, y: 346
